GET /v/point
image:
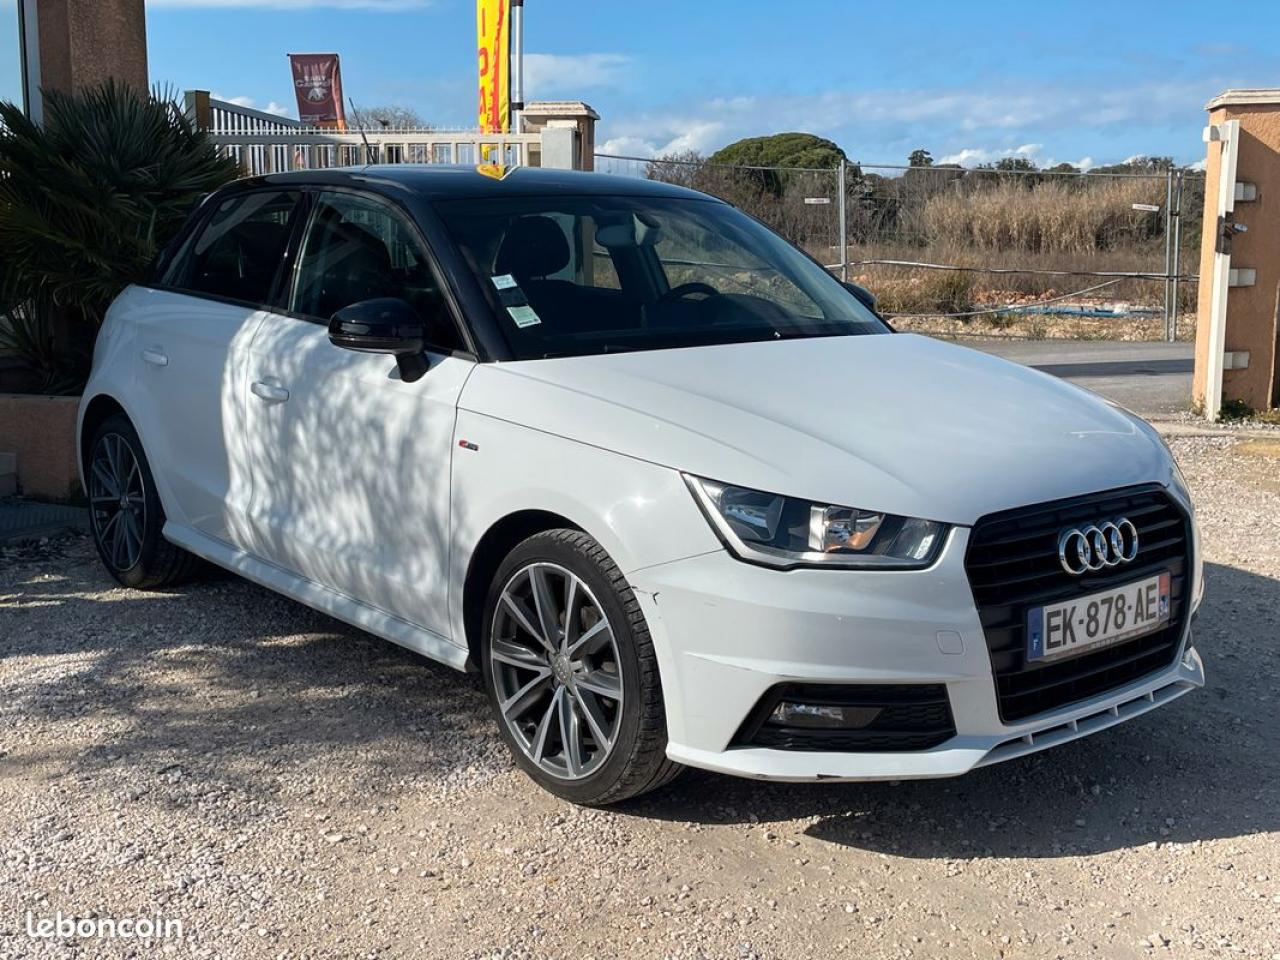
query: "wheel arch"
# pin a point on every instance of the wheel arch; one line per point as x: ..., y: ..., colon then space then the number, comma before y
x: 98, y: 409
x: 492, y: 548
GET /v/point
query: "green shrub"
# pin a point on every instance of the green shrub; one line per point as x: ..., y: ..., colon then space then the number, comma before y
x: 1234, y: 409
x: 87, y: 200
x: 26, y: 332
x: 952, y: 291
x: 938, y: 292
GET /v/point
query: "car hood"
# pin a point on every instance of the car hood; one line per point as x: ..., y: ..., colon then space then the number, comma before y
x: 898, y: 423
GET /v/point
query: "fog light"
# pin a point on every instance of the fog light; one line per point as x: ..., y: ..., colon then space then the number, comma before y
x: 789, y: 714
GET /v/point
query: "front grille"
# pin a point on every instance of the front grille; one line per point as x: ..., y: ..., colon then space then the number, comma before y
x: 1013, y: 565
x: 912, y: 717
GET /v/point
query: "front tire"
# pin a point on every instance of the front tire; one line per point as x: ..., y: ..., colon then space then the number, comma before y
x: 125, y: 512
x: 571, y: 672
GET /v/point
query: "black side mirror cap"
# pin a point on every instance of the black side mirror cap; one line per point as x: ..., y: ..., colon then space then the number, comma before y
x: 865, y: 296
x: 384, y: 325
x: 867, y: 299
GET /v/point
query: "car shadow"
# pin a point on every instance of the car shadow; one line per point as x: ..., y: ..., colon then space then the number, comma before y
x: 247, y: 690
x: 223, y: 680
x: 1202, y: 768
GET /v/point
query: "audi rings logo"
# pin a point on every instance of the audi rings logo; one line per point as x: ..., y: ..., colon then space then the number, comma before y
x: 1090, y: 549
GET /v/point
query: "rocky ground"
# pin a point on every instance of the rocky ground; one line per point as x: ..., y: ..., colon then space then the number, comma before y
x: 287, y: 787
x: 1047, y: 326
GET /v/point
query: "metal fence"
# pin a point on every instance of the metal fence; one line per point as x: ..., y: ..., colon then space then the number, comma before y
x: 265, y: 143
x: 983, y: 250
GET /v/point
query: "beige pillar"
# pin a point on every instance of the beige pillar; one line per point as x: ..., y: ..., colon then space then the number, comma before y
x: 83, y: 42
x: 1253, y: 298
x: 575, y: 114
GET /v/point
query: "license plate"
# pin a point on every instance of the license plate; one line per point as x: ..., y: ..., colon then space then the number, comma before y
x: 1098, y: 620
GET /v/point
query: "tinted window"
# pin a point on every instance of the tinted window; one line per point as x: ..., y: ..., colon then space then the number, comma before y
x: 357, y: 249
x: 238, y: 249
x: 582, y: 275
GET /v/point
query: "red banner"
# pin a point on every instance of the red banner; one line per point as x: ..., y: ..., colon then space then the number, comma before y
x: 317, y: 81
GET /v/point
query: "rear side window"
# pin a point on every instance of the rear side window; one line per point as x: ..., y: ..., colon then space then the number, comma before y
x: 357, y: 249
x: 236, y: 252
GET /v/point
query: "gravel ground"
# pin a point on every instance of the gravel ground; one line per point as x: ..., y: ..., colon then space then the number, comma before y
x: 287, y: 787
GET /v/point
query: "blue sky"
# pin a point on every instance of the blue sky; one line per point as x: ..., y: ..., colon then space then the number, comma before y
x: 1079, y: 82
x: 10, y: 71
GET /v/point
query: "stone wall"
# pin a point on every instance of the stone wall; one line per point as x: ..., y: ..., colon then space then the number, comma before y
x: 41, y: 431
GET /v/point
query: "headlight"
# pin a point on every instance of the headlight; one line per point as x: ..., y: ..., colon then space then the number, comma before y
x: 784, y: 532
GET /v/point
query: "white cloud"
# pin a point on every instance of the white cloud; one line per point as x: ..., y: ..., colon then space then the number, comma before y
x: 970, y: 156
x: 374, y: 5
x: 629, y: 146
x: 658, y: 137
x: 1084, y: 163
x: 967, y: 157
x: 968, y: 126
x: 548, y: 74
x: 250, y: 104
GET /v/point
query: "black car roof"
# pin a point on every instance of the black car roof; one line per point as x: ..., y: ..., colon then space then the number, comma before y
x: 444, y: 182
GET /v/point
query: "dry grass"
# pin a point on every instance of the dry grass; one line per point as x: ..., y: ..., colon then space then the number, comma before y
x: 1076, y: 227
x: 1069, y: 229
x: 918, y: 290
x: 1051, y: 217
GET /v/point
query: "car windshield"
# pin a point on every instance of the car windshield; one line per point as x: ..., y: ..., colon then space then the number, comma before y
x: 570, y: 276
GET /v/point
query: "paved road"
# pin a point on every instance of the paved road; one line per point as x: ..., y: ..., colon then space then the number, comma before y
x: 1148, y: 378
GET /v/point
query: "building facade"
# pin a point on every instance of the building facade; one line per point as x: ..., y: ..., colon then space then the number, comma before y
x: 69, y: 45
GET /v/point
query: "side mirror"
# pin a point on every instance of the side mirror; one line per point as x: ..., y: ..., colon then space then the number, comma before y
x: 865, y: 296
x: 383, y: 325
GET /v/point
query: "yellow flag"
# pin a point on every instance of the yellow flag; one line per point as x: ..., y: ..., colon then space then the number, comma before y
x: 493, y: 20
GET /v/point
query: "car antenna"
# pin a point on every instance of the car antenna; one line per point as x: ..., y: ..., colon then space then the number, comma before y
x: 368, y: 150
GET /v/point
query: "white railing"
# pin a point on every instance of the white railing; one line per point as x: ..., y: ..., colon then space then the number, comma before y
x: 265, y: 143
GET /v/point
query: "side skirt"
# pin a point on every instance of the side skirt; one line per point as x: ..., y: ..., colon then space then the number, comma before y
x: 318, y: 597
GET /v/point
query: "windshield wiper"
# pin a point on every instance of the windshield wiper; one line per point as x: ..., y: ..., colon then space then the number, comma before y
x: 810, y: 335
x: 596, y: 350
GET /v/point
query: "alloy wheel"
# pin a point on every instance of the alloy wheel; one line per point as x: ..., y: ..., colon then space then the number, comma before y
x: 554, y: 663
x: 117, y: 501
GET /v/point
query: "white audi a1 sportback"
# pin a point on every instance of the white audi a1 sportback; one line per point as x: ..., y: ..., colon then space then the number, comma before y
x: 680, y: 495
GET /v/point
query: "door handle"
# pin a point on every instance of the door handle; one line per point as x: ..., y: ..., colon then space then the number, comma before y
x: 269, y: 392
x: 155, y: 357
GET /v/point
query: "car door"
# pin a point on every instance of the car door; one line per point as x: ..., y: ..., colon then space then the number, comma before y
x: 193, y: 333
x: 352, y: 464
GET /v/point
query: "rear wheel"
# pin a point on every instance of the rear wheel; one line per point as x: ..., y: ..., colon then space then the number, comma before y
x: 125, y: 513
x: 571, y: 672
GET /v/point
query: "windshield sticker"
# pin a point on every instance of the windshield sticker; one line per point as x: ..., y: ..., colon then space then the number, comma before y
x: 504, y: 282
x: 524, y: 316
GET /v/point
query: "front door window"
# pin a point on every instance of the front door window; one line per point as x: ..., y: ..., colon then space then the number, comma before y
x: 358, y: 249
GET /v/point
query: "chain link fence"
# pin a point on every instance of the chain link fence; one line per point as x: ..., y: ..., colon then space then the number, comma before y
x: 1107, y: 255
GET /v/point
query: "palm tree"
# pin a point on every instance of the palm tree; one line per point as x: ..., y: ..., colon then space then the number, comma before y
x: 86, y: 201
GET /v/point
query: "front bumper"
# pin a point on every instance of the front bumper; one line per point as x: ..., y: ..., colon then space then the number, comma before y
x: 726, y: 632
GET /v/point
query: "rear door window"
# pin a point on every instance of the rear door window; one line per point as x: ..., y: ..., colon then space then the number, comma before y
x: 237, y: 251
